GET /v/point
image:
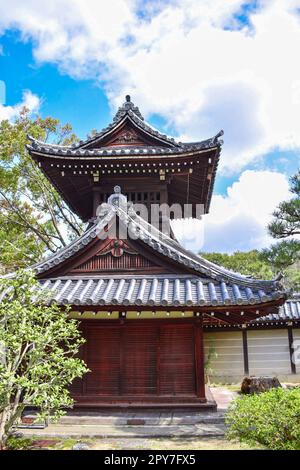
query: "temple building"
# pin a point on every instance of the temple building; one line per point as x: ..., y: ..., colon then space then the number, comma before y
x: 144, y: 302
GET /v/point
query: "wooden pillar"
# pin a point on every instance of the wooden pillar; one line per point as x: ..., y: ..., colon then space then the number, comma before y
x: 291, y: 349
x: 96, y: 200
x: 164, y: 221
x: 199, y: 360
x: 158, y: 360
x: 245, y: 352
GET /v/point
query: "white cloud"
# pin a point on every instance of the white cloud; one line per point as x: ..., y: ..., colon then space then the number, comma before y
x: 192, y: 61
x: 238, y: 220
x: 29, y: 101
x: 195, y: 63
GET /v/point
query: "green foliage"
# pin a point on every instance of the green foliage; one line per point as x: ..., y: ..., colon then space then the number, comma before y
x: 286, y: 221
x: 282, y: 255
x: 248, y: 263
x: 271, y: 418
x: 33, y: 217
x: 19, y: 443
x: 285, y: 257
x: 38, y: 352
x: 265, y: 264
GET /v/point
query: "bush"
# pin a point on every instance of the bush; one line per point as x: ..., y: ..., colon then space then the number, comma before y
x: 271, y: 418
x: 19, y: 443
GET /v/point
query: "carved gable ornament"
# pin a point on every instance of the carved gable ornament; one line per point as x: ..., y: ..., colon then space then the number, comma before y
x: 116, y: 248
x: 127, y: 137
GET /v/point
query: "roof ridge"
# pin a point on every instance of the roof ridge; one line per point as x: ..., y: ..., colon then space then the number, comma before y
x: 129, y: 110
x: 157, y: 240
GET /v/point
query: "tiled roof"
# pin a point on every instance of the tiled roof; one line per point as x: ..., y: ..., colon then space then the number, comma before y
x: 130, y: 112
x: 290, y: 311
x: 140, y: 151
x: 139, y: 229
x: 159, y: 290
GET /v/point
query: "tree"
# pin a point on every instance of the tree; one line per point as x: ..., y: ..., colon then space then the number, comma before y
x: 248, y: 263
x: 282, y: 255
x: 38, y: 352
x: 286, y: 221
x: 33, y: 217
x: 265, y: 264
x: 285, y: 255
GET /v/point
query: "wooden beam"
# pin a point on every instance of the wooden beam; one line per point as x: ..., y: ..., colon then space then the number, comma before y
x: 199, y: 359
x: 291, y: 349
x: 245, y: 352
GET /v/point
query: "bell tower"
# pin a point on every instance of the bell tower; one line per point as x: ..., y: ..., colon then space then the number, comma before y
x: 151, y: 168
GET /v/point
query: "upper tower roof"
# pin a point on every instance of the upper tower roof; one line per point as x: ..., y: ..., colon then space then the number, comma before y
x: 126, y: 151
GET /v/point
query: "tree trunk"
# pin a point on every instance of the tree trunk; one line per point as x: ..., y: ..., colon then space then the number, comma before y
x: 3, y: 421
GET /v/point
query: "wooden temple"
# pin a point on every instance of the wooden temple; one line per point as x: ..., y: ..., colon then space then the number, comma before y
x: 141, y: 298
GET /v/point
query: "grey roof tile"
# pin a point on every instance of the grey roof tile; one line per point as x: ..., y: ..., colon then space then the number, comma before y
x: 161, y: 290
x: 289, y: 311
x: 171, y: 249
x: 127, y: 111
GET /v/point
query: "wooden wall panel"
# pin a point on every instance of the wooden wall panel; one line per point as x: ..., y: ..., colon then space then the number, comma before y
x: 177, y: 360
x: 139, y: 360
x: 110, y: 263
x: 102, y: 355
x: 139, y: 371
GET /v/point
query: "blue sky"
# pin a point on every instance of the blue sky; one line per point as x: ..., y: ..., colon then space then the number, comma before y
x: 193, y: 67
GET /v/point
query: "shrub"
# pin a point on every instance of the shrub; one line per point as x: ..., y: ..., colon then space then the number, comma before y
x: 39, y: 347
x: 19, y: 443
x: 271, y: 418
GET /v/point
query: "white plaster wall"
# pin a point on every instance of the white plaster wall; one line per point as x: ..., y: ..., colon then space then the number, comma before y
x: 268, y: 352
x: 228, y: 347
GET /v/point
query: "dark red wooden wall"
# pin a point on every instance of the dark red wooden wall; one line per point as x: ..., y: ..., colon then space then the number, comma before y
x: 141, y: 360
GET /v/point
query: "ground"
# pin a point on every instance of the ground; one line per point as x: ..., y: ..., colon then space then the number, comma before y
x: 142, y: 444
x: 110, y: 433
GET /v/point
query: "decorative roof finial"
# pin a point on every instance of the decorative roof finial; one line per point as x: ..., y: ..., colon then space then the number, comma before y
x: 127, y: 108
x: 117, y: 199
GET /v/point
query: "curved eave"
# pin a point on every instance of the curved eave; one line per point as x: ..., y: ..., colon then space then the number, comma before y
x: 68, y: 200
x: 287, y: 314
x: 119, y: 154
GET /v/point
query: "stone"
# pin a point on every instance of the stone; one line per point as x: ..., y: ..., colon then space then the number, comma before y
x: 136, y: 422
x: 80, y: 446
x: 17, y: 435
x: 251, y: 385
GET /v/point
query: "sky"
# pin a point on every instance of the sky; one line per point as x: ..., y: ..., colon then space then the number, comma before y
x: 193, y: 67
